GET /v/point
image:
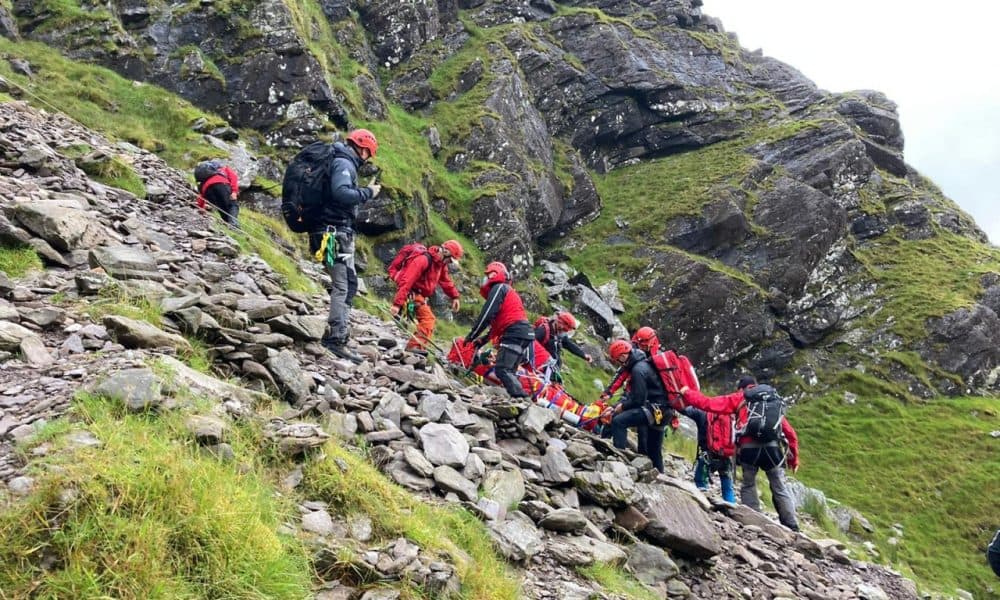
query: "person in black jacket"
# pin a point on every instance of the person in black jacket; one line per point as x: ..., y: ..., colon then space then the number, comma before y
x: 643, y: 407
x: 554, y: 335
x: 993, y: 553
x: 337, y: 237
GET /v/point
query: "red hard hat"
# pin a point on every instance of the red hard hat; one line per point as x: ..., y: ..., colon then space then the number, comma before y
x: 453, y: 248
x: 619, y: 350
x: 496, y: 272
x: 362, y: 138
x: 644, y: 338
x: 566, y: 321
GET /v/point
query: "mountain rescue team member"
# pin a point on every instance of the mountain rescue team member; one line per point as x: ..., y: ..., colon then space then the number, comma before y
x: 337, y: 238
x: 753, y: 455
x: 510, y: 332
x: 556, y: 332
x: 644, y: 339
x: 417, y: 282
x: 993, y: 553
x: 220, y: 190
x: 643, y: 407
x: 707, y: 463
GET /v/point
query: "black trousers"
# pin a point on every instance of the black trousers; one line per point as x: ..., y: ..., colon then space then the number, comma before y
x: 511, y: 353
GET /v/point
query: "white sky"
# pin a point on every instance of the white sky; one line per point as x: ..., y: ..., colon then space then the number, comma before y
x: 939, y: 62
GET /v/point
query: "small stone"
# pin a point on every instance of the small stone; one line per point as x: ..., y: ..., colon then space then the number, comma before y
x: 318, y: 522
x: 21, y: 486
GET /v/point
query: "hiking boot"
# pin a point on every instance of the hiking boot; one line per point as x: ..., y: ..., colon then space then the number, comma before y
x: 339, y: 348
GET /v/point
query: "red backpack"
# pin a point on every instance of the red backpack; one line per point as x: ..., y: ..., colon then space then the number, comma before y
x: 543, y: 320
x: 403, y: 258
x: 719, y: 438
x: 675, y: 372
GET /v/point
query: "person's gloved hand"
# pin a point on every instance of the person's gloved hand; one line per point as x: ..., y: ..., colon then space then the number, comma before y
x: 589, y: 359
x: 376, y: 189
x: 605, y: 396
x: 675, y: 423
x: 394, y: 311
x: 455, y: 305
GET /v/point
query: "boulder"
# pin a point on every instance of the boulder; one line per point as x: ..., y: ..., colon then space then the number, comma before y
x: 516, y: 537
x: 11, y: 335
x: 607, y: 489
x: 505, y: 487
x: 565, y: 520
x: 140, y: 334
x: 65, y: 226
x: 443, y: 444
x: 581, y: 551
x: 556, y: 467
x: 650, y: 565
x: 125, y: 262
x: 208, y: 431
x: 677, y: 522
x: 292, y: 381
x: 450, y: 480
x: 138, y: 389
x: 305, y: 328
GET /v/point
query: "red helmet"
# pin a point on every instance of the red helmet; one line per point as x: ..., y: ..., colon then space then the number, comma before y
x: 566, y: 321
x: 454, y: 249
x: 496, y: 272
x: 362, y: 138
x: 645, y: 338
x: 619, y: 351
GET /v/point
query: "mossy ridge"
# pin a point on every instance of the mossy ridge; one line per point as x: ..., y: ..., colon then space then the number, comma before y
x: 320, y: 37
x: 148, y: 515
x: 210, y: 70
x: 145, y: 115
x: 119, y: 299
x: 64, y: 13
x: 863, y: 455
x: 922, y: 279
x: 361, y: 489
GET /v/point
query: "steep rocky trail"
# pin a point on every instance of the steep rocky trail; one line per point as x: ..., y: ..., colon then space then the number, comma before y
x: 553, y: 498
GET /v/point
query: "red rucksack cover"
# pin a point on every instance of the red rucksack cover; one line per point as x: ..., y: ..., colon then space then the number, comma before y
x: 719, y: 438
x: 543, y: 320
x: 403, y: 258
x: 675, y: 372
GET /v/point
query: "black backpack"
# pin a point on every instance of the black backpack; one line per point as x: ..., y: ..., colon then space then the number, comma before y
x: 306, y: 187
x: 765, y: 411
x: 206, y: 169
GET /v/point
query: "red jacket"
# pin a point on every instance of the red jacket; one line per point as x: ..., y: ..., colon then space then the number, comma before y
x: 730, y: 404
x: 225, y: 175
x: 503, y: 308
x: 422, y: 275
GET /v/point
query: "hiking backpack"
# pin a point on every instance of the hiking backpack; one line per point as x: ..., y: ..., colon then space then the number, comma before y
x: 306, y: 187
x: 675, y: 372
x: 765, y: 411
x: 206, y: 169
x: 543, y: 320
x: 403, y: 258
x: 720, y: 437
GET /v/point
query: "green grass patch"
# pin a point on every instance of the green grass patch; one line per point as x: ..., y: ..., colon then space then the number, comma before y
x: 148, y: 515
x: 198, y: 358
x: 271, y: 240
x: 616, y: 581
x: 115, y: 172
x: 922, y: 279
x: 360, y: 488
x: 116, y: 299
x: 18, y: 261
x: 930, y: 466
x: 143, y: 114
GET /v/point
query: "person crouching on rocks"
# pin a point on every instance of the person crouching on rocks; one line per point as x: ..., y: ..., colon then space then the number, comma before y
x: 643, y: 407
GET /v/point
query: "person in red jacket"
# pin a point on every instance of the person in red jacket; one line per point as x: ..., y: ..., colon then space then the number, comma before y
x: 221, y: 190
x: 510, y: 332
x: 417, y: 282
x: 753, y: 454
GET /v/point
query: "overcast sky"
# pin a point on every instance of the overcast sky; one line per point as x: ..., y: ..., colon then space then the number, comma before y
x: 939, y: 62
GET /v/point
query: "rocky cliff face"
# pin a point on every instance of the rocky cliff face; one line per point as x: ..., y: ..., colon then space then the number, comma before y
x: 757, y: 221
x: 552, y: 497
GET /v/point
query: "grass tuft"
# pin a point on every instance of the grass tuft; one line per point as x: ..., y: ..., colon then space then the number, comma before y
x: 18, y: 261
x: 116, y: 299
x: 148, y: 515
x: 616, y: 581
x: 271, y: 240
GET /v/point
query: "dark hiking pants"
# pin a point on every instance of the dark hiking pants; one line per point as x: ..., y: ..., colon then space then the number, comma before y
x: 770, y: 458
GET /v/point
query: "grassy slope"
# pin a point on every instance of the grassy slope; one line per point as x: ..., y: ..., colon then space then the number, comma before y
x: 148, y: 516
x: 931, y: 467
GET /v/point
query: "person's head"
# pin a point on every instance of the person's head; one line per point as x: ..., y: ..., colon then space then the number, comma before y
x: 619, y: 352
x: 496, y: 272
x: 363, y: 142
x: 452, y: 250
x: 745, y: 382
x: 645, y: 338
x: 564, y: 322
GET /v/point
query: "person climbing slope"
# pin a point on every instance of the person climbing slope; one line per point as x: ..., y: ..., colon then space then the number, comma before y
x: 418, y: 271
x: 762, y: 433
x: 510, y: 332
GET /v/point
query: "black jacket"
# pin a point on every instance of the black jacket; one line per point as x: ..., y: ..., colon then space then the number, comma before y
x: 345, y: 194
x: 554, y: 342
x: 645, y: 386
